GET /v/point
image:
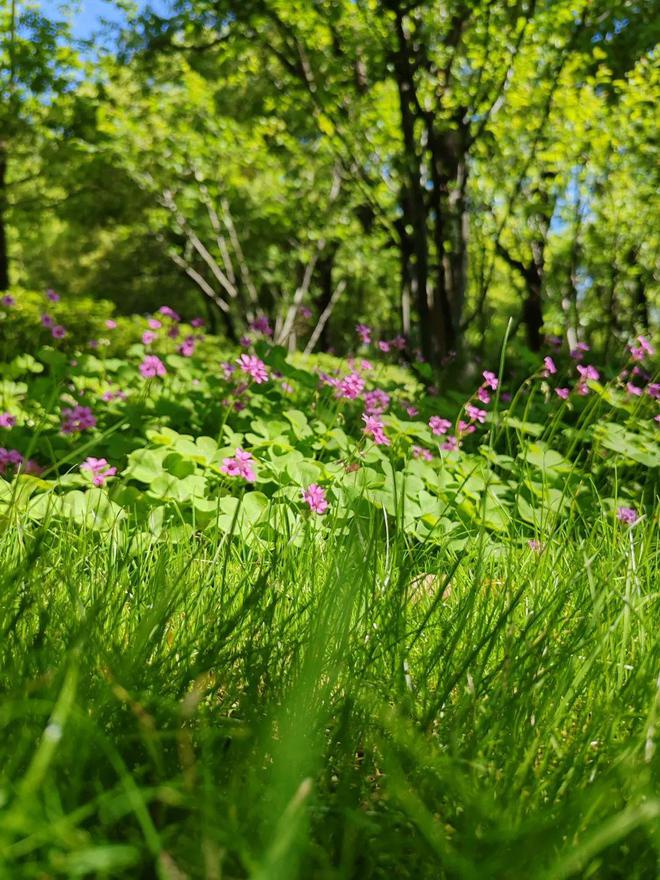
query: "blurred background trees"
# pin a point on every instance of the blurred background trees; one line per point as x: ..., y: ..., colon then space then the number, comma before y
x: 434, y: 168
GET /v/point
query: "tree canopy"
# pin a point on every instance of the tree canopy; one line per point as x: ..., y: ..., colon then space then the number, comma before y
x: 444, y: 166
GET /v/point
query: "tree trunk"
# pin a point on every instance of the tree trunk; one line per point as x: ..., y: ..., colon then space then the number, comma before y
x: 4, y: 255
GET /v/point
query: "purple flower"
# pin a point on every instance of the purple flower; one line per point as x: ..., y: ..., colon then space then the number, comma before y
x: 253, y: 367
x: 451, y: 444
x: 314, y: 496
x: 627, y: 515
x: 58, y: 331
x: 491, y: 380
x: 578, y: 352
x: 99, y: 470
x: 633, y: 389
x: 421, y: 452
x: 169, y: 313
x: 152, y: 366
x: 654, y: 390
x: 197, y: 322
x: 588, y: 372
x: 476, y: 414
x: 384, y: 346
x: 240, y: 465
x: 52, y: 296
x: 562, y: 392
x: 374, y: 428
x: 466, y: 428
x: 7, y: 420
x: 439, y: 426
x: 350, y: 386
x: 261, y: 325
x: 47, y: 321
x: 483, y: 395
x: 9, y: 458
x: 7, y: 300
x: 187, y: 347
x: 376, y: 401
x: 148, y: 337
x: 411, y: 410
x: 305, y: 312
x: 549, y: 367
x: 638, y: 353
x: 76, y: 419
x: 364, y: 333
x: 554, y: 342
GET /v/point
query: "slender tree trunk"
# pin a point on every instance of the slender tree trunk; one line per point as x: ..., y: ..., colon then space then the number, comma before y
x: 414, y: 197
x: 4, y: 254
x: 324, y: 268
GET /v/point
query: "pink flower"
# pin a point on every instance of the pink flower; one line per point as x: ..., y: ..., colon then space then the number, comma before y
x: 7, y: 420
x: 554, y: 342
x: 411, y: 410
x: 399, y: 342
x: 534, y: 545
x: 52, y: 296
x: 154, y: 324
x: 110, y: 324
x: 227, y: 369
x: 7, y: 300
x: 588, y: 372
x: 384, y: 346
x: 491, y: 380
x: 305, y: 312
x: 476, y: 414
x: 577, y: 353
x: 483, y: 395
x: 364, y: 333
x: 187, y: 347
x: 654, y: 390
x: 197, y: 322
x: 645, y: 348
x: 76, y: 419
x: 451, y: 443
x: 58, y: 331
x: 152, y: 366
x: 562, y: 392
x: 627, y: 515
x: 421, y: 452
x: 549, y: 367
x: 350, y: 386
x: 169, y: 313
x: 633, y: 389
x: 99, y: 470
x: 466, y: 428
x: 439, y: 426
x: 374, y: 428
x: 148, y: 337
x: 261, y: 325
x: 376, y: 401
x: 240, y: 465
x: 47, y: 321
x: 366, y: 365
x: 9, y: 458
x: 314, y: 495
x: 253, y: 367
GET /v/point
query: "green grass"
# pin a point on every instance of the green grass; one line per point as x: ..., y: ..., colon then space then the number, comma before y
x: 206, y: 710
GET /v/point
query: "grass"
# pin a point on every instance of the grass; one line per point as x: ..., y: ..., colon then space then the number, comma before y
x: 355, y: 707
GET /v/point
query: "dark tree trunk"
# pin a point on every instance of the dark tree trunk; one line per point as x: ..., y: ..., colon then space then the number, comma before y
x: 324, y: 268
x: 414, y: 207
x: 4, y: 255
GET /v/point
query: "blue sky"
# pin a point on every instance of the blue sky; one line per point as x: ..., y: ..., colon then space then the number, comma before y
x: 88, y: 16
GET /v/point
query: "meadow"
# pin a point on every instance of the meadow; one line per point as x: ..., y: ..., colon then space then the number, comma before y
x: 275, y: 615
